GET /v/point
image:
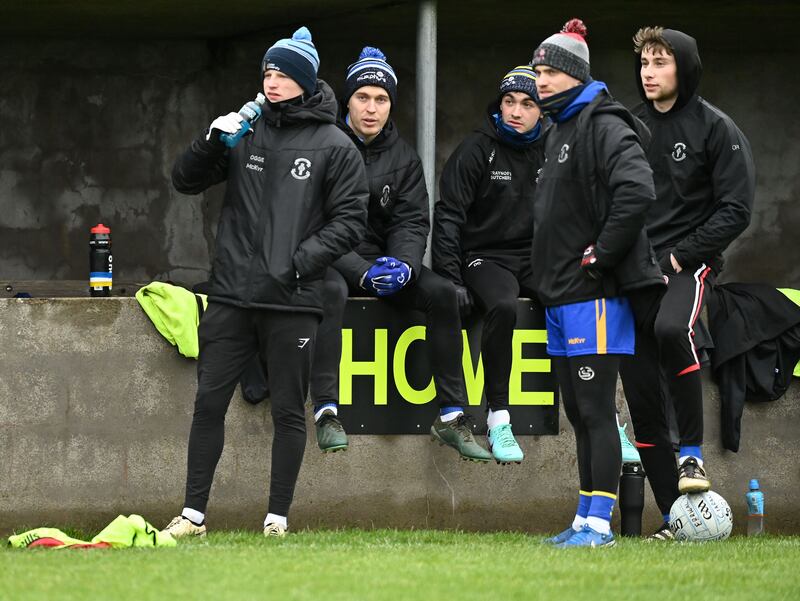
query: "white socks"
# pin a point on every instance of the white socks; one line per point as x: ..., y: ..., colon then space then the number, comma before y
x: 330, y: 408
x: 598, y: 524
x: 450, y: 416
x: 498, y: 418
x: 275, y: 519
x: 193, y: 515
x: 578, y: 523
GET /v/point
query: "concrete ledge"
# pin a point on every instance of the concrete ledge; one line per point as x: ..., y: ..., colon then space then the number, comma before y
x: 95, y: 409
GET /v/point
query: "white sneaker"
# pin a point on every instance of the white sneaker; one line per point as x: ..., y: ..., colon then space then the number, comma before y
x: 273, y: 529
x: 181, y: 526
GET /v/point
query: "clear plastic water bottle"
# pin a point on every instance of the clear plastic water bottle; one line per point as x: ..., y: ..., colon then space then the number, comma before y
x: 755, y: 509
x: 250, y: 113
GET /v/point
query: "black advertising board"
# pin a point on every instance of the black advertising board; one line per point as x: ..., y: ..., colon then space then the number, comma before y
x: 386, y: 387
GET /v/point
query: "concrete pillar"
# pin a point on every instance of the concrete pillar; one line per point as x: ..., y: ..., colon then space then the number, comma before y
x: 426, y: 99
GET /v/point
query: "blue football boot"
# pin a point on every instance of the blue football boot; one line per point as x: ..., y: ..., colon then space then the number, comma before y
x: 587, y: 537
x: 561, y: 537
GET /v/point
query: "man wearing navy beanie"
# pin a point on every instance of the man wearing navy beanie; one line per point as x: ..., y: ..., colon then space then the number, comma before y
x: 482, y: 231
x: 387, y: 263
x: 295, y: 57
x: 295, y: 202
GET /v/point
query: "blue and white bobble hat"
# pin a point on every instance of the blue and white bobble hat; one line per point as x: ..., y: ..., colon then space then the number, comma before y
x: 519, y: 79
x: 371, y: 69
x: 296, y: 57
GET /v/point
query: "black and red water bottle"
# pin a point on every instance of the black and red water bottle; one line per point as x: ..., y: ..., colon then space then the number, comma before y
x: 100, y: 261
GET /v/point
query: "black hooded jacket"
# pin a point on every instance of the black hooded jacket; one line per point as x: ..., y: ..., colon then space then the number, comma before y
x: 295, y: 201
x: 398, y: 219
x: 702, y: 169
x: 595, y: 188
x: 485, y: 199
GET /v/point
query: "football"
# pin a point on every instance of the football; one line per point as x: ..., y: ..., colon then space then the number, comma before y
x: 700, y: 517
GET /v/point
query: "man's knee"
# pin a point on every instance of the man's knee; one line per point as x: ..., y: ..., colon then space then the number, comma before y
x: 334, y: 290
x: 441, y: 294
x: 504, y: 310
x: 670, y: 331
x: 287, y: 417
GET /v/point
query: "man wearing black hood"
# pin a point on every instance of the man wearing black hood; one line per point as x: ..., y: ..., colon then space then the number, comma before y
x: 590, y: 253
x: 387, y: 262
x: 482, y: 233
x: 705, y: 180
x: 295, y: 201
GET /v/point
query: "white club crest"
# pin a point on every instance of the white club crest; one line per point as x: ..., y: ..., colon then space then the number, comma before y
x: 679, y: 152
x: 301, y: 169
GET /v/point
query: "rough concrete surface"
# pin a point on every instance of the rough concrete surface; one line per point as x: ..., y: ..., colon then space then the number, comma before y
x: 95, y: 409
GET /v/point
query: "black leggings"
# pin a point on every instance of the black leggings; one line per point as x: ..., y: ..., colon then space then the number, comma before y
x: 430, y: 293
x: 495, y: 285
x: 588, y: 389
x: 229, y: 339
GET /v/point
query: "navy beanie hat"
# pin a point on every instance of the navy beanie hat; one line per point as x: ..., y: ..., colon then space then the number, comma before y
x: 519, y: 79
x: 296, y: 57
x: 371, y: 69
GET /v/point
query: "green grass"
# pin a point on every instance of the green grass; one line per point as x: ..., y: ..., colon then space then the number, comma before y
x: 393, y: 565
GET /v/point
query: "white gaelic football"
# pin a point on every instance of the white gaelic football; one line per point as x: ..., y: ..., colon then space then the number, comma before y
x: 700, y: 517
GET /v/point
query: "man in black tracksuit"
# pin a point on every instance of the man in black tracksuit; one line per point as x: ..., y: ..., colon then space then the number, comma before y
x: 387, y: 262
x: 482, y: 233
x: 295, y: 201
x: 705, y: 178
x: 590, y: 252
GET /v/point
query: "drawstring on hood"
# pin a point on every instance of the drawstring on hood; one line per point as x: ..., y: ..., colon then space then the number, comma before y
x: 689, y: 69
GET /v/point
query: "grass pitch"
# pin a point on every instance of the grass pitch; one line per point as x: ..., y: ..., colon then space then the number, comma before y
x: 393, y: 565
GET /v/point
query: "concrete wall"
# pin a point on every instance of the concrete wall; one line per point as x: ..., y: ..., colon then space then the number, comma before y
x: 95, y: 410
x: 90, y: 126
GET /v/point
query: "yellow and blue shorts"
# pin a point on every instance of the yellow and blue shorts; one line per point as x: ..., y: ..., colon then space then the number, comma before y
x: 603, y: 326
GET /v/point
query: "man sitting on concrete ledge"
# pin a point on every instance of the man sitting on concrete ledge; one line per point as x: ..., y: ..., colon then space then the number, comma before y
x: 388, y: 262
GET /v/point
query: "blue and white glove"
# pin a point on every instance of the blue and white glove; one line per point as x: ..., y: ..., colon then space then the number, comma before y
x: 226, y: 124
x: 386, y: 276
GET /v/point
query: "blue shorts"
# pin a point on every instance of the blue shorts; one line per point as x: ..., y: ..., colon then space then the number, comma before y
x: 597, y: 327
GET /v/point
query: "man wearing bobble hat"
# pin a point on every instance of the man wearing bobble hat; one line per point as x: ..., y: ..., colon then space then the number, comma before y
x: 295, y: 202
x: 590, y: 254
x: 387, y: 263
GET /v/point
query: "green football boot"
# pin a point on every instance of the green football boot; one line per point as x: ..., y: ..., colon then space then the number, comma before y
x: 458, y: 434
x: 331, y: 436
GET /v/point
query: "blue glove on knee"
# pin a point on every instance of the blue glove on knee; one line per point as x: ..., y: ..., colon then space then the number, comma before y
x: 386, y: 276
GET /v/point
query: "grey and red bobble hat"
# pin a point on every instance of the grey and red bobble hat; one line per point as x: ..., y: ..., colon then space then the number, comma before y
x: 566, y: 51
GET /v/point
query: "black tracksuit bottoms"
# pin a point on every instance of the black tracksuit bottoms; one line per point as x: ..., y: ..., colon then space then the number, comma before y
x: 429, y: 293
x: 229, y: 338
x: 495, y: 283
x: 666, y: 367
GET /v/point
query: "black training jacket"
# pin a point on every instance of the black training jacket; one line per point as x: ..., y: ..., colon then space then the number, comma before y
x: 295, y: 201
x: 485, y: 200
x: 398, y: 217
x: 702, y: 168
x: 595, y: 188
